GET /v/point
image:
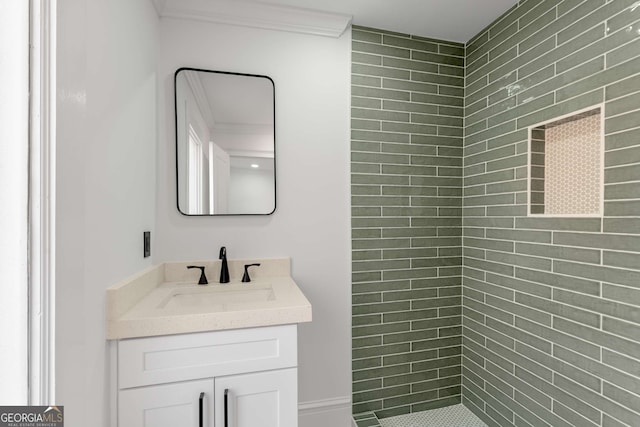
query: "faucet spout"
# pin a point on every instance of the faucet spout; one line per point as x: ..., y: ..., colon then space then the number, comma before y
x: 224, y: 268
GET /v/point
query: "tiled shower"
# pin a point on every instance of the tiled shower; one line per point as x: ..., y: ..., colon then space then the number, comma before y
x: 460, y: 293
x: 407, y: 118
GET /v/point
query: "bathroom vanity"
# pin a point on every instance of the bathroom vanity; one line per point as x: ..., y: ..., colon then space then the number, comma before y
x: 217, y: 355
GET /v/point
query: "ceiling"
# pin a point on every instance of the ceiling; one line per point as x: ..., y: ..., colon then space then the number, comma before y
x: 453, y: 20
x: 236, y: 109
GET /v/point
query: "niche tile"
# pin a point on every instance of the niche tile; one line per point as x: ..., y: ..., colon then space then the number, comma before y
x: 566, y: 167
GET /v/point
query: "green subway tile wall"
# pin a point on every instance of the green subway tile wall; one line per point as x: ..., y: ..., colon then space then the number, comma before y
x: 548, y: 322
x: 406, y: 169
x: 551, y: 306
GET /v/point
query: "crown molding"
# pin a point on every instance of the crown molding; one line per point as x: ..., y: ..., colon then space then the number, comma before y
x: 256, y: 15
x: 200, y: 96
x: 241, y: 129
x: 251, y: 153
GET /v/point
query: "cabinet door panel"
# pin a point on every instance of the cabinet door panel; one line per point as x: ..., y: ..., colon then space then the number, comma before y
x: 265, y: 399
x: 165, y: 359
x: 167, y: 405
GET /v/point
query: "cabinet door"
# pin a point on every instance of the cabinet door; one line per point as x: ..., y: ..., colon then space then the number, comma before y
x: 265, y: 399
x: 168, y: 405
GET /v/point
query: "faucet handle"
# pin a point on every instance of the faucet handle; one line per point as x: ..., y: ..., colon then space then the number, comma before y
x: 203, y: 278
x: 245, y: 276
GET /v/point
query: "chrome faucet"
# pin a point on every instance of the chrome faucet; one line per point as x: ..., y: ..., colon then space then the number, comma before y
x: 224, y: 268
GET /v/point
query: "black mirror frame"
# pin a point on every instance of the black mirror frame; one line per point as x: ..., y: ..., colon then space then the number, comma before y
x: 175, y: 114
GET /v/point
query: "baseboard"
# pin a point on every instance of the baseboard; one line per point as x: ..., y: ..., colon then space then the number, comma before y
x: 322, y: 413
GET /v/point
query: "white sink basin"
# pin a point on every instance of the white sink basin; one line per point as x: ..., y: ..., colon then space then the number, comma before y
x: 217, y: 297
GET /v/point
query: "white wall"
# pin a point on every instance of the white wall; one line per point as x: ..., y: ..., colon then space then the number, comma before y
x: 251, y: 190
x: 14, y: 154
x: 106, y: 171
x: 311, y: 223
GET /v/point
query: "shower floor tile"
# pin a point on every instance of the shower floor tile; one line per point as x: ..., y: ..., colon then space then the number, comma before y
x: 450, y: 416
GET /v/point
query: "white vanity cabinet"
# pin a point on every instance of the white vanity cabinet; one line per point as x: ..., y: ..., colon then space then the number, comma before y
x: 230, y: 378
x: 167, y: 405
x: 259, y: 399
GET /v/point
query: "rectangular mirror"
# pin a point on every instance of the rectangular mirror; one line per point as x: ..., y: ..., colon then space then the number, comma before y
x: 225, y: 143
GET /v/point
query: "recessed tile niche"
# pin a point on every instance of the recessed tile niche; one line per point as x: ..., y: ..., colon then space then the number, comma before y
x: 566, y: 166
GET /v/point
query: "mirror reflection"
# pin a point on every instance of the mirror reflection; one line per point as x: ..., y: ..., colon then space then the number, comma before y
x: 225, y: 143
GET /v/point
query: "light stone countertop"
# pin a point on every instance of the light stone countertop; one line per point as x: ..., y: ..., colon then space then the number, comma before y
x: 165, y: 299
